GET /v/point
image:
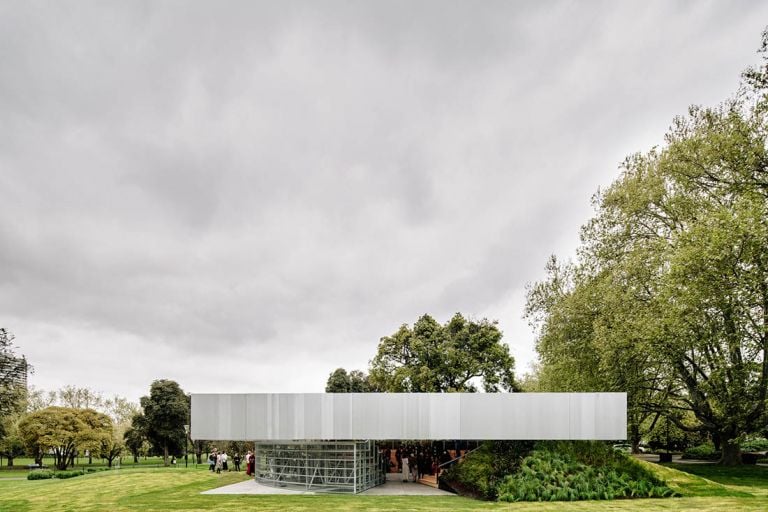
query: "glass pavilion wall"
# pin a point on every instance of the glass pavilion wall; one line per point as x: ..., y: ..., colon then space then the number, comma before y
x: 329, y: 466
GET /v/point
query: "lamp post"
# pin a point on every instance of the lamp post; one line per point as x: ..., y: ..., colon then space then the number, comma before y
x: 186, y: 445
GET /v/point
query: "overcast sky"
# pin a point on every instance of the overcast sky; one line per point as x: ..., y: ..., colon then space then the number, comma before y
x: 243, y: 196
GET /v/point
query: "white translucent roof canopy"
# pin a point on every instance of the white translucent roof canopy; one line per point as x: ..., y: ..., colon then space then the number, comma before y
x: 476, y: 416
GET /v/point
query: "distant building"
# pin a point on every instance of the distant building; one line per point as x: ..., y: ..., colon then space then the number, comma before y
x: 14, y: 372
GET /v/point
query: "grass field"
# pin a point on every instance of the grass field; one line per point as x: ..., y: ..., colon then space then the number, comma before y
x: 19, y: 469
x: 705, y: 488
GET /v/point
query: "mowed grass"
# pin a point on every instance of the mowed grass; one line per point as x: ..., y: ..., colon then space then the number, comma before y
x: 147, y: 490
x: 20, y: 465
x: 746, y: 479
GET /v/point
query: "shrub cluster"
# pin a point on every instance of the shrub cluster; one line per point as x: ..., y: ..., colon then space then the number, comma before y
x: 552, y: 471
x: 704, y: 451
x: 69, y: 474
x: 707, y: 450
x: 46, y: 474
x: 759, y: 444
x: 40, y: 475
x: 557, y: 476
x: 480, y: 473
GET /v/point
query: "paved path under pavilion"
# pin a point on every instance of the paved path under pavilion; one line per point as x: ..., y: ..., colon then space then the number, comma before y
x: 393, y: 487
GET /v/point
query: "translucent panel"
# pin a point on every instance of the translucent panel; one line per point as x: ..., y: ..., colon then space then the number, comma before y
x: 342, y: 467
x: 409, y: 416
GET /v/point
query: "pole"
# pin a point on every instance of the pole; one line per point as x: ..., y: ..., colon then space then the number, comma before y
x: 186, y: 446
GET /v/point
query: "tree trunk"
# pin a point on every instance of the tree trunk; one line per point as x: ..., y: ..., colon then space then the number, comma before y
x: 10, y: 461
x: 635, y: 438
x: 165, y: 455
x: 731, y: 452
x: 135, y: 458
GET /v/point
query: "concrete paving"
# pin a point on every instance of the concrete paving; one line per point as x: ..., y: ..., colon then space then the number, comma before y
x: 253, y: 487
x: 400, y: 488
x: 393, y: 487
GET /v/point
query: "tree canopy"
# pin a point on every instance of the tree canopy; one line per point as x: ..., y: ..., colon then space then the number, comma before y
x: 64, y: 431
x: 339, y: 381
x: 166, y: 411
x: 668, y: 299
x: 430, y: 357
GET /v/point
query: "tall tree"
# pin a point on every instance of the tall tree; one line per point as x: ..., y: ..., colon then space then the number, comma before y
x: 135, y: 436
x: 64, y: 431
x: 11, y: 444
x: 430, y: 357
x: 80, y: 398
x: 166, y: 411
x: 339, y: 381
x: 674, y: 269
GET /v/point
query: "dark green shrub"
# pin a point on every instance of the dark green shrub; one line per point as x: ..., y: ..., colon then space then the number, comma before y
x: 68, y: 474
x: 40, y: 475
x: 479, y: 474
x: 704, y: 451
x: 548, y: 475
x: 759, y: 444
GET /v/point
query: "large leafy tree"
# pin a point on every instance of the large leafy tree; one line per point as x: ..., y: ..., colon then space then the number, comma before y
x: 64, y: 431
x: 339, y: 381
x: 590, y: 339
x: 11, y: 444
x: 430, y: 357
x: 135, y: 436
x: 166, y: 411
x: 669, y: 297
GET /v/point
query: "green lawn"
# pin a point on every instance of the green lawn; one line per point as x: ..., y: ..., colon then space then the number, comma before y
x: 147, y: 490
x: 22, y: 462
x: 19, y: 469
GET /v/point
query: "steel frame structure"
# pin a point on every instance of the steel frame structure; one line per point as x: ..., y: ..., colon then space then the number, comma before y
x: 321, y: 466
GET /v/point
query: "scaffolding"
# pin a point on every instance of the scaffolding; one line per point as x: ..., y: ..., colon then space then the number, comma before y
x: 322, y: 466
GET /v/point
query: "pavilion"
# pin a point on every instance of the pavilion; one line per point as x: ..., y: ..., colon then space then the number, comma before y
x: 326, y: 441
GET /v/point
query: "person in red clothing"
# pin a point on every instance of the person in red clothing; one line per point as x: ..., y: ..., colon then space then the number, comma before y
x: 249, y: 463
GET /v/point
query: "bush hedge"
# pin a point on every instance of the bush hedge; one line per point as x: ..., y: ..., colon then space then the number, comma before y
x: 707, y: 451
x: 46, y: 474
x: 759, y: 444
x: 479, y: 474
x: 704, y: 451
x: 68, y: 474
x: 40, y: 475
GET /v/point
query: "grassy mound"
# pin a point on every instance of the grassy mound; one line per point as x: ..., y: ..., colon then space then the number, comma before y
x: 551, y: 476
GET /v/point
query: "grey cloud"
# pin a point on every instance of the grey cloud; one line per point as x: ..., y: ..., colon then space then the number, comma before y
x: 290, y: 181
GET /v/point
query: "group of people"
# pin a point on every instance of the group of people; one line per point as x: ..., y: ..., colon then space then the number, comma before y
x: 414, y: 462
x: 219, y: 461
